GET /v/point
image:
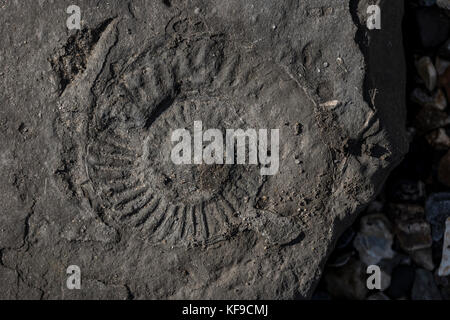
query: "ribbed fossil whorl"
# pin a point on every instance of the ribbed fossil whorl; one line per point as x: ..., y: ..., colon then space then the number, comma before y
x: 121, y: 131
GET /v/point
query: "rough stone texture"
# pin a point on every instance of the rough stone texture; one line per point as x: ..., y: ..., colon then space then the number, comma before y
x: 348, y: 283
x: 444, y: 268
x: 374, y: 241
x: 424, y: 287
x: 445, y: 4
x: 86, y: 177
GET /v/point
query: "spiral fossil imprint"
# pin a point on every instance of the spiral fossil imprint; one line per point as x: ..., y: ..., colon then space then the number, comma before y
x: 122, y: 135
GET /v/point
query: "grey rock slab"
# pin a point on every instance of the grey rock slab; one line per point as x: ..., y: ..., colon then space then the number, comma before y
x: 17, y: 288
x: 85, y: 142
x: 96, y: 290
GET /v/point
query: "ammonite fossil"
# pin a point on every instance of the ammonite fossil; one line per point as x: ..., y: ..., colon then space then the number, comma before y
x: 122, y: 136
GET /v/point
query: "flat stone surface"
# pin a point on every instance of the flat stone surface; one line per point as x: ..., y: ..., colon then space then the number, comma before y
x: 85, y: 143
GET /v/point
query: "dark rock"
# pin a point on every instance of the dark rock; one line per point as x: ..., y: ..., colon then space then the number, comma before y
x: 375, y: 207
x: 405, y: 211
x: 444, y: 268
x: 423, y: 258
x: 437, y: 211
x: 343, y: 251
x: 402, y: 282
x: 427, y: 71
x: 444, y: 170
x: 347, y: 282
x: 413, y: 234
x: 338, y: 259
x: 426, y: 3
x: 444, y: 81
x: 439, y: 139
x: 430, y: 118
x: 406, y: 190
x: 444, y: 4
x: 437, y: 100
x: 444, y: 51
x: 424, y: 287
x: 444, y: 284
x: 346, y: 238
x: 432, y: 27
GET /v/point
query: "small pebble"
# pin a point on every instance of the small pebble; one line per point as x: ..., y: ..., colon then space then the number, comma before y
x: 413, y: 234
x: 439, y: 139
x: 374, y: 240
x: 437, y: 209
x: 427, y: 72
x: 444, y: 268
